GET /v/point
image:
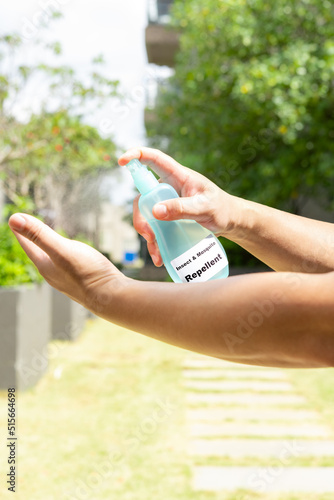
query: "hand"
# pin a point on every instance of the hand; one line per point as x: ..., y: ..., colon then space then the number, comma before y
x: 201, y: 200
x: 76, y: 269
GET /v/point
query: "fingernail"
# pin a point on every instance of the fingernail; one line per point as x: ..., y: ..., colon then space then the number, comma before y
x: 156, y: 261
x: 17, y: 222
x: 160, y: 210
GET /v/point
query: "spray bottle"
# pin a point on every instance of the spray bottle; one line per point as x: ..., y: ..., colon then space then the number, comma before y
x: 190, y: 252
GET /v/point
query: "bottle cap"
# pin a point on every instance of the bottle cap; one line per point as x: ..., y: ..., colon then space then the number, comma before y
x: 143, y: 178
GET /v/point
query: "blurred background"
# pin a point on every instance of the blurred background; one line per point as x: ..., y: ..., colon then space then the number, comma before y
x: 242, y: 91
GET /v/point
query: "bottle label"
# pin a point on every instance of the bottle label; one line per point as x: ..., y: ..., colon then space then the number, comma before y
x: 201, y: 262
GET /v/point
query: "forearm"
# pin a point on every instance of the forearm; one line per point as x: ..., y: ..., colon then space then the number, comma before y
x: 269, y: 319
x: 285, y: 242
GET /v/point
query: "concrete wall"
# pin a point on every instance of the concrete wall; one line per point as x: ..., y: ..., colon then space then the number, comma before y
x: 25, y: 330
x: 68, y: 317
x: 30, y: 316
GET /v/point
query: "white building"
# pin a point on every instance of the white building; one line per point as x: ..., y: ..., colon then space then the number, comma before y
x: 117, y: 237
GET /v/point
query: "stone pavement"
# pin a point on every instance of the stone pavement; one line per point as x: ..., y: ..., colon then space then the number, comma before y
x: 243, y: 413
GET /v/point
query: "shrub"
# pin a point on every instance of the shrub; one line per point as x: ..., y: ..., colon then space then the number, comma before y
x: 251, y: 104
x: 15, y: 266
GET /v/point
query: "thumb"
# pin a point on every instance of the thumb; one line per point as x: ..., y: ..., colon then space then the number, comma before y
x: 33, y: 233
x: 191, y: 207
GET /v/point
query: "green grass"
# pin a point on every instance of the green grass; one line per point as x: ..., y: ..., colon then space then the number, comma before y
x: 97, y: 425
x: 318, y: 387
x: 94, y: 426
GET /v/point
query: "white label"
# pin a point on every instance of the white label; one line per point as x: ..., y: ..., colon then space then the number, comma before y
x: 201, y: 262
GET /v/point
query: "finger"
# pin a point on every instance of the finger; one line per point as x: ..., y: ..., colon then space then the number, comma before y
x: 165, y: 166
x: 192, y: 207
x: 140, y: 223
x: 143, y: 228
x: 37, y: 233
x: 154, y: 252
x: 41, y: 260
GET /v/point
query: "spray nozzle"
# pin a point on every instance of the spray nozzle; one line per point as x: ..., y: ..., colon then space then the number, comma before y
x: 134, y: 166
x: 143, y: 178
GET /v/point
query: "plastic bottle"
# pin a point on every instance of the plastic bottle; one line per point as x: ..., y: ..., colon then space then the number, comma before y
x: 190, y: 253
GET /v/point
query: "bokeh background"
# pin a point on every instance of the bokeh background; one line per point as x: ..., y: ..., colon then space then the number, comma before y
x: 243, y: 92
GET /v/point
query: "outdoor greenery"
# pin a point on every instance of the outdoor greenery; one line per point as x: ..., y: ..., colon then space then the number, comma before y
x: 51, y: 160
x: 251, y: 104
x: 48, y: 154
x: 97, y: 437
x: 15, y: 266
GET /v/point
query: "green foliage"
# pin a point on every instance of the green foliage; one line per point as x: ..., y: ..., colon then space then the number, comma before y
x: 251, y: 104
x: 15, y: 267
x: 60, y: 144
x: 47, y: 158
x: 240, y: 258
